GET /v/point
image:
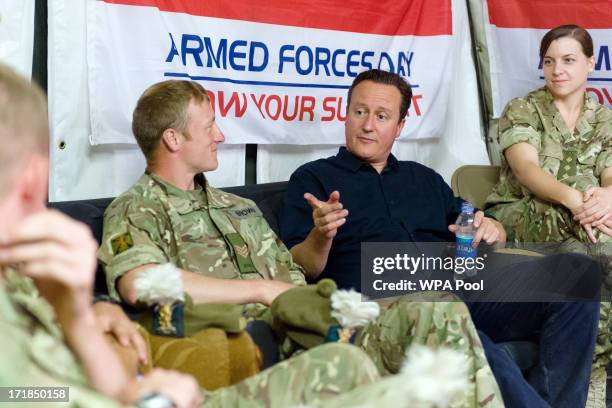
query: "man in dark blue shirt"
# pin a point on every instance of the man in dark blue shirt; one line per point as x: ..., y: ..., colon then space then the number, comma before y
x: 371, y: 196
x: 406, y: 201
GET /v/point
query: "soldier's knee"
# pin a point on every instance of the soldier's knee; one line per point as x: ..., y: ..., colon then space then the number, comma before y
x: 457, y: 307
x: 351, y: 358
x: 449, y: 303
x: 450, y: 297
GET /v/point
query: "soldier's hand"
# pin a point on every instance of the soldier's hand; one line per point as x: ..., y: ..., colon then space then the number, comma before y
x: 181, y: 389
x: 576, y: 205
x: 597, y: 207
x: 606, y: 227
x: 59, y: 254
x: 270, y: 289
x: 112, y: 320
x: 328, y: 215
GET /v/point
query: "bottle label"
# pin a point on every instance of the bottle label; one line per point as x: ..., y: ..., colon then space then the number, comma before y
x: 464, y: 247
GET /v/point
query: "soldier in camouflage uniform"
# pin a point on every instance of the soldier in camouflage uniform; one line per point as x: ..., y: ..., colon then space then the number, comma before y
x: 222, y: 240
x: 55, y: 255
x: 205, y: 231
x: 578, y: 159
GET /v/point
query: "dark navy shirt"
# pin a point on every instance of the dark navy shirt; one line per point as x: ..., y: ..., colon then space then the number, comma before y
x: 406, y: 202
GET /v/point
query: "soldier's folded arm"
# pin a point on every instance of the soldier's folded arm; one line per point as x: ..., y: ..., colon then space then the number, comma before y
x: 204, y: 289
x: 523, y: 160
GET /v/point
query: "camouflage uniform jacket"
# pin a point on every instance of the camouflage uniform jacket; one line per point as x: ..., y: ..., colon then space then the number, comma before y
x: 205, y: 230
x: 33, y: 350
x: 576, y: 159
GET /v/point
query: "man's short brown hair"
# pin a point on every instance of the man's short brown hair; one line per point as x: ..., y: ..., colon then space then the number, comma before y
x: 386, y: 78
x: 24, y: 126
x: 163, y: 106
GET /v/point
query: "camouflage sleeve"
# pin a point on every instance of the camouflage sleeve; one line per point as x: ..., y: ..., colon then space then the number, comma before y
x: 131, y: 238
x: 604, y: 131
x: 295, y: 271
x: 519, y: 123
x: 20, y: 369
x: 34, y: 357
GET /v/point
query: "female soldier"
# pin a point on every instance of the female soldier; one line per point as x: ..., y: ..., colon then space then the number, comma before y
x: 556, y: 178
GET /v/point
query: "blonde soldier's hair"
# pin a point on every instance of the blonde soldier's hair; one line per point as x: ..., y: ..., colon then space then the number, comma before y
x: 164, y: 106
x: 24, y: 128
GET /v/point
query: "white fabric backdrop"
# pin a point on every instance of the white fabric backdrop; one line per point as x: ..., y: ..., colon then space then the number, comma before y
x: 461, y: 141
x: 17, y: 34
x: 80, y: 170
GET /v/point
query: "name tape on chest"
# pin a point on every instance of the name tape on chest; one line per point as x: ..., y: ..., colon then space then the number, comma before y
x: 245, y: 212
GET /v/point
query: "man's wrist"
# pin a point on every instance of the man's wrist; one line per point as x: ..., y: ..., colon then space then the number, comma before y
x: 78, y: 323
x: 572, y: 200
x: 319, y: 241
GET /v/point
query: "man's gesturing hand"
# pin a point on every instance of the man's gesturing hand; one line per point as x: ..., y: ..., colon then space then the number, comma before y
x: 328, y: 215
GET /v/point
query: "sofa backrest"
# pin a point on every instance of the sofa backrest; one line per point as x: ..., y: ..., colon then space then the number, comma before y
x: 267, y: 196
x: 474, y: 183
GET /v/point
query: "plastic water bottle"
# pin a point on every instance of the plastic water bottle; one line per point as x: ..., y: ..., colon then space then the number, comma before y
x: 465, y: 235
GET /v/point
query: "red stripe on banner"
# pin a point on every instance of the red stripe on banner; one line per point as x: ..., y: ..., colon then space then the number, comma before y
x: 386, y: 17
x: 547, y: 14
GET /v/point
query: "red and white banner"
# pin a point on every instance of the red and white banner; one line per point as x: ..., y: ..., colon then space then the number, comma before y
x: 514, y: 31
x: 277, y: 71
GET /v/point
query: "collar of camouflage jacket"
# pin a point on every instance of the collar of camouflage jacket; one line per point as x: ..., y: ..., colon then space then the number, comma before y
x: 203, y: 196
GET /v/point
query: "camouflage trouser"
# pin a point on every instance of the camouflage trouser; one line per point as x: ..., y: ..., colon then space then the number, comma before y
x: 432, y: 319
x: 313, y: 377
x: 328, y: 372
x: 331, y: 376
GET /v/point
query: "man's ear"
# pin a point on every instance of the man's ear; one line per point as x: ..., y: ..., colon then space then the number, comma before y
x: 172, y: 140
x: 400, y: 126
x: 33, y: 184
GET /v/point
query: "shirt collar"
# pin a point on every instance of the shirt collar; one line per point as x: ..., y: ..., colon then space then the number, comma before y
x: 183, y: 201
x: 585, y: 120
x: 353, y: 163
x: 172, y: 190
